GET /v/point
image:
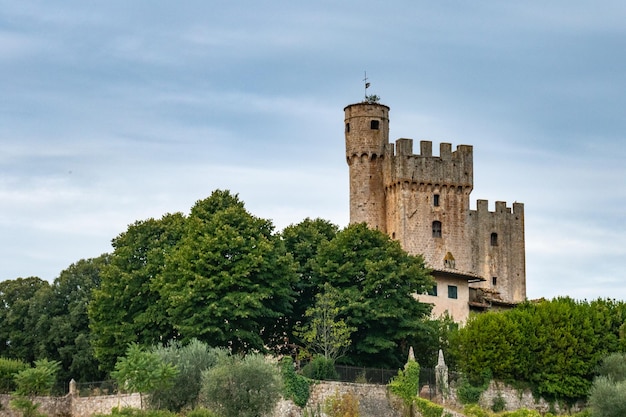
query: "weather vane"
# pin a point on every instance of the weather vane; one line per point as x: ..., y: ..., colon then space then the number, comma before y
x: 372, y: 98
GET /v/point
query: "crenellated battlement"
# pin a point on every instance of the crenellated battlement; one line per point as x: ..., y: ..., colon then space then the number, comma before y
x: 482, y: 207
x: 448, y: 168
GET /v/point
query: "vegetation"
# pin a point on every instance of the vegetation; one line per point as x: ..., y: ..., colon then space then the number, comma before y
x: 241, y: 387
x: 406, y: 385
x: 295, y: 387
x: 608, y: 392
x: 320, y: 368
x: 553, y: 346
x: 8, y: 369
x: 342, y: 405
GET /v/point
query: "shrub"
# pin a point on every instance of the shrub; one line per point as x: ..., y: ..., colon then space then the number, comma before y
x: 26, y: 407
x: 428, y: 409
x: 406, y: 384
x: 320, y: 368
x: 190, y: 360
x: 613, y: 366
x: 295, y: 387
x: 135, y: 412
x: 200, y: 412
x: 342, y: 405
x: 8, y: 369
x: 607, y: 398
x: 469, y: 393
x: 237, y: 387
x: 498, y: 404
x: 474, y: 410
x: 38, y: 380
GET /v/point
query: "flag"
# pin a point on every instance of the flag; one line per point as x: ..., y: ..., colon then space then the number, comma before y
x: 367, y: 85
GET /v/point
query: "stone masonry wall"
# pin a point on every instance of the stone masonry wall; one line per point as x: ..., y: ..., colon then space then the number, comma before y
x: 74, y: 406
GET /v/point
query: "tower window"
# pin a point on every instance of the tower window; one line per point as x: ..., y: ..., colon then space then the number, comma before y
x: 347, y: 127
x: 494, y: 281
x: 374, y: 124
x: 436, y: 228
x: 494, y: 239
x: 452, y: 292
x: 436, y: 200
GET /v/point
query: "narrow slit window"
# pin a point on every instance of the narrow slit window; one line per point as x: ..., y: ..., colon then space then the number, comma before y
x: 374, y: 124
x: 494, y: 239
x: 436, y: 228
x: 347, y: 127
x: 436, y: 200
x: 494, y: 281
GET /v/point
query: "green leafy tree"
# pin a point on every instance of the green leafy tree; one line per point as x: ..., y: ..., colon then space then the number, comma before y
x: 324, y: 332
x: 302, y: 241
x: 406, y: 384
x: 190, y: 360
x: 18, y: 319
x: 38, y: 380
x: 8, y: 369
x: 377, y: 281
x: 63, y: 323
x: 126, y: 308
x: 236, y: 387
x: 229, y: 281
x: 607, y: 398
x: 142, y: 371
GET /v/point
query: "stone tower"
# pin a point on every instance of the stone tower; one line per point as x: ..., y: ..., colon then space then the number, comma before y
x: 423, y: 201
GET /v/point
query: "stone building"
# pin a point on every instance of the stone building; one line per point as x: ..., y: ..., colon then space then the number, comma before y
x: 423, y: 201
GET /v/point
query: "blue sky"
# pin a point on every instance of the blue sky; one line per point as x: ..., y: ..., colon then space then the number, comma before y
x: 116, y: 111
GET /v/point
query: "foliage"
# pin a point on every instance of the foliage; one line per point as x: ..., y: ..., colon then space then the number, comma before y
x: 295, y: 387
x: 302, y: 241
x: 237, y: 387
x: 200, y: 412
x: 498, y: 404
x: 18, y: 318
x: 38, y: 380
x: 320, y: 368
x: 469, y: 391
x: 8, y: 369
x: 553, y: 346
x: 126, y: 307
x: 474, y: 410
x: 342, y: 405
x: 433, y: 335
x: 406, y: 384
x: 135, y: 412
x: 607, y: 398
x: 63, y: 323
x: 142, y: 371
x: 229, y: 262
x: 427, y: 408
x: 189, y: 360
x: 614, y: 367
x: 324, y: 333
x: 376, y: 280
x: 26, y: 406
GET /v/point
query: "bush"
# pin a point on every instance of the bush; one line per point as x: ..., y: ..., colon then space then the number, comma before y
x: 38, y: 380
x: 499, y: 404
x: 607, y: 398
x: 470, y: 392
x: 26, y: 407
x: 237, y: 387
x: 8, y: 369
x: 428, y: 409
x: 135, y: 412
x: 190, y: 360
x: 200, y: 412
x: 344, y: 405
x: 406, y: 384
x: 296, y: 387
x: 613, y: 366
x: 321, y: 368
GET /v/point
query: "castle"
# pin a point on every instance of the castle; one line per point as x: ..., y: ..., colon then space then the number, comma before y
x: 422, y: 200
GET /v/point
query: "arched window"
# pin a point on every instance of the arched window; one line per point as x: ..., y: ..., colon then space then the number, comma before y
x: 494, y: 239
x: 374, y: 124
x: 436, y: 228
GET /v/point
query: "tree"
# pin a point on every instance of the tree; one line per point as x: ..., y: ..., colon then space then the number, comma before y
x: 228, y: 282
x: 607, y: 397
x: 63, y: 323
x: 406, y: 384
x: 302, y: 241
x: 38, y: 380
x: 127, y: 308
x: 17, y: 319
x: 324, y: 332
x: 190, y: 360
x: 142, y: 371
x: 236, y: 387
x: 377, y: 281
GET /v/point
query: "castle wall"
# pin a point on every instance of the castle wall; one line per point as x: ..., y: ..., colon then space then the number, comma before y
x: 422, y: 200
x: 503, y: 258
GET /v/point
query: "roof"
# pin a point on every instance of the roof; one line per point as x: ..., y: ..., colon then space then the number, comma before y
x: 453, y: 273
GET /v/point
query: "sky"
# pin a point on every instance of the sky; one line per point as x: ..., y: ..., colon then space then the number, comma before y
x: 116, y: 111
